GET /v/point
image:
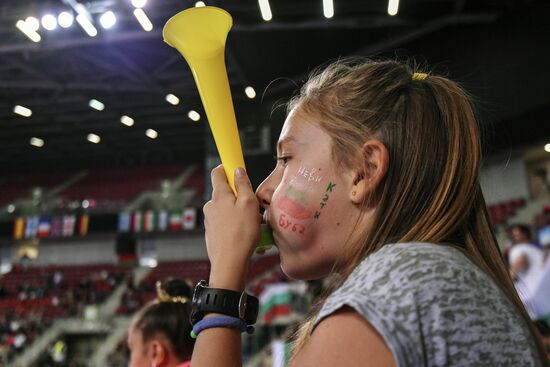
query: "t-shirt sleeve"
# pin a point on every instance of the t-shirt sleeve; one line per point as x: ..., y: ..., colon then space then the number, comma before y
x: 386, y: 305
x: 431, y: 306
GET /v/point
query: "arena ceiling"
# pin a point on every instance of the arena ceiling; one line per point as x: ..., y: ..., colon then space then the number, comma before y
x: 498, y: 49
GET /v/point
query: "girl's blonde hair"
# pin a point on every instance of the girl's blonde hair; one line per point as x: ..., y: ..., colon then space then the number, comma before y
x: 431, y: 191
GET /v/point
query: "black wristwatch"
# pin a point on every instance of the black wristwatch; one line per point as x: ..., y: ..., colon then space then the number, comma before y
x: 226, y: 302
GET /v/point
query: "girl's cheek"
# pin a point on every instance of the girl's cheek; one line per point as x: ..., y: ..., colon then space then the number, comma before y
x: 300, y: 203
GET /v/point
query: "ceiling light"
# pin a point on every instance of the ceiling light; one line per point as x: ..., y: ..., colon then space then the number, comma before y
x: 107, y: 19
x: 49, y: 22
x: 37, y: 142
x: 194, y: 115
x: 200, y: 4
x: 151, y: 133
x: 328, y: 8
x: 139, y: 3
x: 32, y: 23
x: 547, y: 148
x: 23, y: 27
x: 96, y: 105
x: 143, y: 19
x: 172, y: 99
x: 393, y: 7
x: 250, y: 92
x: 85, y: 23
x: 65, y: 19
x: 93, y: 138
x: 23, y: 111
x: 265, y: 10
x: 127, y: 120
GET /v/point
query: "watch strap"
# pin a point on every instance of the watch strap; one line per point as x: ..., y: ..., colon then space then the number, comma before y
x: 228, y: 303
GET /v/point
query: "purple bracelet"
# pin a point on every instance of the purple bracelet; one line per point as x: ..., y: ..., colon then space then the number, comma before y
x: 221, y: 321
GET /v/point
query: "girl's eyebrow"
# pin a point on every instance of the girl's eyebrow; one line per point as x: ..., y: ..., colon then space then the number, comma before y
x: 286, y: 140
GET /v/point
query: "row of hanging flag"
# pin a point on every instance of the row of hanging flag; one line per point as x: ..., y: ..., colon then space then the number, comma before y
x: 55, y: 226
x: 161, y: 221
x: 77, y: 225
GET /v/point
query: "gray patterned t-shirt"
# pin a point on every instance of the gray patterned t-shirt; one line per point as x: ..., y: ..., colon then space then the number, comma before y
x: 434, y: 307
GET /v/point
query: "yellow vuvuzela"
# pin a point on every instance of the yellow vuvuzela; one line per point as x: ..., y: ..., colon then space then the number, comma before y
x: 199, y: 34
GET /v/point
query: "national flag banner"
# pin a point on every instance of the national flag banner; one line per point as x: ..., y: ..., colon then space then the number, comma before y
x: 18, y: 228
x: 124, y: 222
x: 162, y: 220
x: 276, y: 300
x: 68, y: 225
x: 176, y: 221
x: 189, y: 218
x: 31, y: 227
x: 136, y: 222
x: 149, y: 221
x: 83, y: 223
x: 44, y: 227
x: 57, y: 226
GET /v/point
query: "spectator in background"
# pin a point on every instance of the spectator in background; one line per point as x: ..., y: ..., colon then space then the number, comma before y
x: 160, y: 332
x: 526, y: 262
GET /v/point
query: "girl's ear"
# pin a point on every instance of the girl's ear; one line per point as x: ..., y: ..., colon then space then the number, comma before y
x: 373, y: 160
x: 159, y: 353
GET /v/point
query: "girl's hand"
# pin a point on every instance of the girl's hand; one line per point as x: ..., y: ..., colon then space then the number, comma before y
x: 232, y: 226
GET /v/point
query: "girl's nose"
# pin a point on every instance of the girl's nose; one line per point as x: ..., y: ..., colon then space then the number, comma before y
x: 264, y: 193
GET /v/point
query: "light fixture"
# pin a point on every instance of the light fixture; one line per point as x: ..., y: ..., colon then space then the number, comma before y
x: 22, y: 111
x: 107, y: 19
x: 194, y: 115
x: 139, y: 3
x: 393, y: 7
x: 93, y: 138
x: 265, y: 9
x: 49, y: 22
x: 151, y: 133
x: 85, y: 23
x: 11, y: 208
x: 96, y: 105
x: 37, y: 142
x: 32, y: 23
x: 85, y: 204
x: 328, y: 8
x: 250, y: 92
x: 65, y: 19
x: 200, y: 4
x: 143, y: 19
x: 23, y: 27
x: 547, y: 148
x: 172, y: 99
x: 127, y: 120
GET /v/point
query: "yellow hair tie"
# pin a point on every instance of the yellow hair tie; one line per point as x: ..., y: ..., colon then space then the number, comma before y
x: 419, y: 76
x: 165, y: 297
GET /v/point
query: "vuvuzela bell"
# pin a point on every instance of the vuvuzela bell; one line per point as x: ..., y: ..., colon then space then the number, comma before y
x: 199, y: 34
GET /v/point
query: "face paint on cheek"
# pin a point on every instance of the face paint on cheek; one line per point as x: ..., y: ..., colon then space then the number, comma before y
x: 294, y: 204
x: 324, y: 200
x: 288, y: 225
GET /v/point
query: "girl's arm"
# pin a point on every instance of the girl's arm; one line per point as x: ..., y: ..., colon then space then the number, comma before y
x: 232, y: 227
x: 344, y: 338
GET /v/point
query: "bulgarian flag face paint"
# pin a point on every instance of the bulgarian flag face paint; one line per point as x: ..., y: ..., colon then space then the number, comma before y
x: 295, y: 204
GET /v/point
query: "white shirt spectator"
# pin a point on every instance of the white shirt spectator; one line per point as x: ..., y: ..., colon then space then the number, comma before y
x: 528, y: 278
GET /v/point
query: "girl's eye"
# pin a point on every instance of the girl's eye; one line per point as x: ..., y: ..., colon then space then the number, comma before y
x: 283, y: 160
